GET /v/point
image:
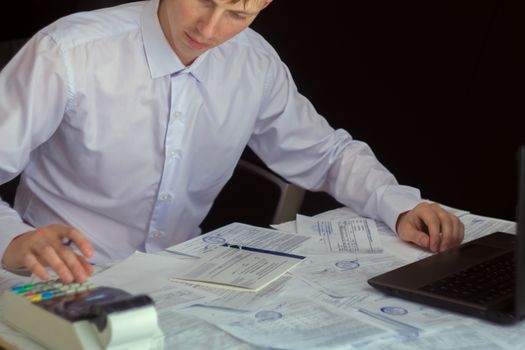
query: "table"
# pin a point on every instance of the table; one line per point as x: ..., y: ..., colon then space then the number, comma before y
x: 324, y: 303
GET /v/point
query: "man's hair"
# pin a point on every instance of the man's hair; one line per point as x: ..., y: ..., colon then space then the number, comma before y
x: 245, y: 2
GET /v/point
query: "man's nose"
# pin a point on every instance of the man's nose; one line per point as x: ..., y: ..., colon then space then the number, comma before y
x: 208, y: 24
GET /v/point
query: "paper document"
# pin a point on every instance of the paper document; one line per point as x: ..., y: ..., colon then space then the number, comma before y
x: 239, y: 267
x: 241, y: 234
x: 356, y: 235
x: 343, y: 275
x: 293, y: 323
x: 343, y: 213
x: 132, y: 273
x: 477, y: 226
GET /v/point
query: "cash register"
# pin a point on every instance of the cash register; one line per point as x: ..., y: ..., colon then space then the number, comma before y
x: 82, y: 316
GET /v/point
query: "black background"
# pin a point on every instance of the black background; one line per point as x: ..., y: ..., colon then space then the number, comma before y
x: 434, y: 87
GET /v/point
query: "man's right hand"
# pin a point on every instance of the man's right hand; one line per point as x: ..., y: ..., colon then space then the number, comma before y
x: 45, y: 247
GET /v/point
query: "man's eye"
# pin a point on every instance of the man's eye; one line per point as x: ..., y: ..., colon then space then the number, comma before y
x: 237, y: 15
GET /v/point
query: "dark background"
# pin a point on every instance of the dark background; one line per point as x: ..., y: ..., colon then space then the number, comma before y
x: 434, y: 87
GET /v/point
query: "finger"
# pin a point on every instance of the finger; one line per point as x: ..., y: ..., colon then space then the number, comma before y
x: 417, y: 237
x: 87, y: 266
x: 431, y: 220
x: 33, y: 265
x: 80, y: 241
x: 448, y: 233
x: 73, y: 263
x: 51, y: 258
x: 458, y: 232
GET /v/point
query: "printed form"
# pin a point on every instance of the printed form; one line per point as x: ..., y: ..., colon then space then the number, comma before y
x: 292, y: 322
x: 239, y: 268
x: 355, y: 235
x: 242, y: 235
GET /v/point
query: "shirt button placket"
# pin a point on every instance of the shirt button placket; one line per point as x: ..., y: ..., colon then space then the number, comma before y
x: 174, y: 152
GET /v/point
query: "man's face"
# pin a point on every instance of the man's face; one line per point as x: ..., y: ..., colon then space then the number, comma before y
x: 194, y: 26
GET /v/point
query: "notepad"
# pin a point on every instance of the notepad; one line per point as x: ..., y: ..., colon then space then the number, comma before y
x: 241, y: 268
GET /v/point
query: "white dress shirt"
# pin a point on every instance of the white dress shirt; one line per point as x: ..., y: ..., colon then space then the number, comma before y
x: 116, y: 137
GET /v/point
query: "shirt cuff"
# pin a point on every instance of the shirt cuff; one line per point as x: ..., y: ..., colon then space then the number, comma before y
x: 9, y: 230
x: 395, y: 200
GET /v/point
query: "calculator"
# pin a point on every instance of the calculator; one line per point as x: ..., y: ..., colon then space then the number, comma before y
x: 82, y: 316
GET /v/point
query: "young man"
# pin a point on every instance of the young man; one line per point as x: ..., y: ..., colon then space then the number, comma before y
x: 127, y: 122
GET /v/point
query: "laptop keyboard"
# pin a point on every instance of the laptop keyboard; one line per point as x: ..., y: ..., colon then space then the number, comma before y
x: 487, y: 283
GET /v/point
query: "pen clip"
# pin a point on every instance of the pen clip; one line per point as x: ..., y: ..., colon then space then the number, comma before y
x: 230, y: 245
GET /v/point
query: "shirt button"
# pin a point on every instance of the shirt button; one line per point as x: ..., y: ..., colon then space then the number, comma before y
x: 177, y: 114
x: 174, y: 153
x: 166, y: 197
x: 156, y: 234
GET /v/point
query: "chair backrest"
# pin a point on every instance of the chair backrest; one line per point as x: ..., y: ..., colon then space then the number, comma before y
x: 8, y: 191
x: 256, y: 196
x: 290, y: 196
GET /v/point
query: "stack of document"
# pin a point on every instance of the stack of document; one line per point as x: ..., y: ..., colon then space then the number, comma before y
x: 255, y: 262
x: 237, y: 267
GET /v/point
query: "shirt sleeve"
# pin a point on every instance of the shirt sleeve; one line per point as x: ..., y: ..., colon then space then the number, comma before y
x: 299, y: 144
x: 33, y: 97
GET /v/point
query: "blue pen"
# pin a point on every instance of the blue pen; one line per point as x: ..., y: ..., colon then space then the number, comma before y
x: 265, y: 251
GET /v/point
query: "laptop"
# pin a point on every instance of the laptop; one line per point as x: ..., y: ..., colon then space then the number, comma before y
x: 484, y: 278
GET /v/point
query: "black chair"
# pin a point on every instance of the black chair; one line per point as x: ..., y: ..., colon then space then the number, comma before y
x: 256, y: 196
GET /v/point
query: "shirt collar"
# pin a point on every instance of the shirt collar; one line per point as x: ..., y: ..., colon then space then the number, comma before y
x: 162, y: 60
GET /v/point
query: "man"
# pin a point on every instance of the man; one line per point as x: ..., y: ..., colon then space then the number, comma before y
x: 128, y: 121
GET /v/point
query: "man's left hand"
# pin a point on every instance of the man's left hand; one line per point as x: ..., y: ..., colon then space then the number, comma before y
x: 430, y: 226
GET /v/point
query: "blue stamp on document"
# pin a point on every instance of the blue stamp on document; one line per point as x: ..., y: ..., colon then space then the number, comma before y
x: 394, y: 310
x: 347, y: 264
x: 268, y: 315
x: 213, y: 240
